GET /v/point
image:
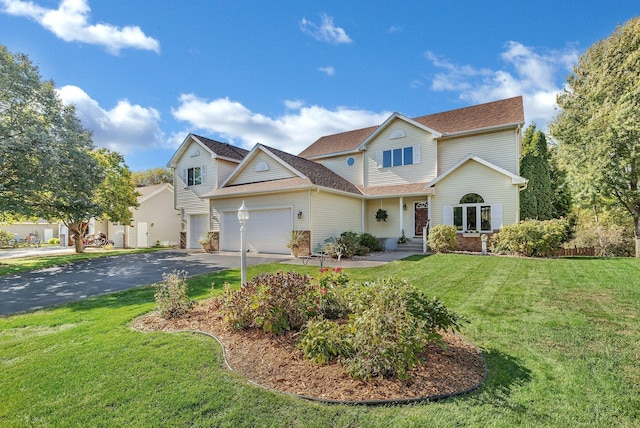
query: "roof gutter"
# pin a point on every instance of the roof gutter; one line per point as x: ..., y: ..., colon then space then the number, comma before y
x: 447, y: 135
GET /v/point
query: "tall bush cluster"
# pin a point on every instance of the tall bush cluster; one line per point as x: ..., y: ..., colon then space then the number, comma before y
x: 376, y: 329
x: 531, y: 238
x: 442, y: 238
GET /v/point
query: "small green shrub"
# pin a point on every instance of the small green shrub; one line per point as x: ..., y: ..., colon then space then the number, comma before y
x: 5, y: 237
x: 322, y: 341
x: 108, y: 247
x: 171, y: 296
x: 274, y: 303
x: 371, y: 242
x: 531, y: 238
x: 442, y: 238
x: 54, y: 241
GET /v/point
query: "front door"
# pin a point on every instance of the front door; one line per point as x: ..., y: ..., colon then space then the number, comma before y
x: 421, y: 217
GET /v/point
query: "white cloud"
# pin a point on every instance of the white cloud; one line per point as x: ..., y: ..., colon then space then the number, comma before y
x: 330, y: 71
x: 291, y: 132
x: 125, y: 128
x: 70, y: 23
x: 326, y: 31
x: 537, y: 76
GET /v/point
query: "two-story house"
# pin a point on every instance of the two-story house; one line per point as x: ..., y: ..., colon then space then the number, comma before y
x: 458, y: 167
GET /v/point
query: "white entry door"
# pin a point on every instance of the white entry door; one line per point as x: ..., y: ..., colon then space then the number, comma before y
x: 142, y: 235
x: 268, y: 231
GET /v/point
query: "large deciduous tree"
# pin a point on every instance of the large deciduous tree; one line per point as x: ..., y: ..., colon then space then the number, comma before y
x: 598, y: 128
x: 153, y: 176
x: 49, y: 168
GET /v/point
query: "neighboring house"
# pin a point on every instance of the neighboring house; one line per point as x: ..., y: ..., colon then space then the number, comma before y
x: 458, y: 167
x: 41, y: 228
x: 200, y: 165
x: 154, y: 221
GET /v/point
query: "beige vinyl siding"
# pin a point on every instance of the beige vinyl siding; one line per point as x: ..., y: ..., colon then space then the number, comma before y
x: 338, y: 164
x: 333, y: 214
x: 163, y: 222
x: 225, y: 168
x: 424, y: 171
x: 188, y: 197
x: 384, y: 229
x: 472, y: 177
x: 499, y: 148
x: 249, y: 174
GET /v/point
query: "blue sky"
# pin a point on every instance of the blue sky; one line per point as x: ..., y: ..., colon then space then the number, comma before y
x: 143, y: 74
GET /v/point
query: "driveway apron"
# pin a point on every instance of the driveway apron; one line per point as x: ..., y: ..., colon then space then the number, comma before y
x: 59, y: 284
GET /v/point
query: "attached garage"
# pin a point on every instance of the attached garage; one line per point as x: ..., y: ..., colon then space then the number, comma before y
x: 268, y: 230
x: 198, y: 228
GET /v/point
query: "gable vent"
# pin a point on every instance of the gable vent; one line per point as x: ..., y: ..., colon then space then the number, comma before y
x: 262, y: 166
x: 397, y: 133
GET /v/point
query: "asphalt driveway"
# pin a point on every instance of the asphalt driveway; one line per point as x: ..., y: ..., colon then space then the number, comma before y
x: 37, y: 289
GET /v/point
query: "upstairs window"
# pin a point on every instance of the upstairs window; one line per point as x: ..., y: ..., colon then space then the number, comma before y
x: 398, y: 157
x: 194, y: 176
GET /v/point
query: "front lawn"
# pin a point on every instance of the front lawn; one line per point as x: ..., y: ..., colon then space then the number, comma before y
x: 560, y: 339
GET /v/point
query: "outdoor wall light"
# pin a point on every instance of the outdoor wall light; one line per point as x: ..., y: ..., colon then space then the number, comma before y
x: 299, y: 215
x: 404, y: 207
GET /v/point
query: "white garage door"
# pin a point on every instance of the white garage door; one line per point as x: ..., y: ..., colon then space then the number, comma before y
x: 268, y: 231
x: 198, y: 228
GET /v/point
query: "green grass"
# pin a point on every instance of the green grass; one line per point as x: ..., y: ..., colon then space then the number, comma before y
x: 24, y: 264
x: 560, y: 339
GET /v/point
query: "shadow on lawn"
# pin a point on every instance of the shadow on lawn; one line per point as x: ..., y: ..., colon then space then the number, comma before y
x: 504, y: 373
x: 200, y: 286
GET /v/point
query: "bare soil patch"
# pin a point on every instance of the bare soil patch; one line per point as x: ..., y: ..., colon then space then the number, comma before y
x: 274, y: 362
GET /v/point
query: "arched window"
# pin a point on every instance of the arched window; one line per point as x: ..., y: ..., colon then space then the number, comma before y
x: 471, y: 198
x: 472, y: 214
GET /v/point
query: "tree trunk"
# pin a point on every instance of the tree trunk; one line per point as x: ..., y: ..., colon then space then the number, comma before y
x: 636, y: 230
x: 78, y: 232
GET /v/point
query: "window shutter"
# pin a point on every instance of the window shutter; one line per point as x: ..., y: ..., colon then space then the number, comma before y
x: 378, y: 159
x: 184, y: 177
x: 203, y: 174
x: 496, y: 216
x: 416, y: 154
x: 447, y: 215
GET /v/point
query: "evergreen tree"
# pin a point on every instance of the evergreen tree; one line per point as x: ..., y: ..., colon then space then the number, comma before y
x: 536, y: 199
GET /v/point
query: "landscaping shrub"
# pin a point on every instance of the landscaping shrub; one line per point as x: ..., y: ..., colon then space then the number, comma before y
x: 54, y: 241
x: 531, y: 238
x: 274, y: 303
x: 442, y: 238
x: 371, y: 242
x: 392, y: 323
x: 5, y: 237
x: 171, y: 296
x: 388, y: 326
x: 375, y: 329
x: 350, y: 244
x: 322, y: 341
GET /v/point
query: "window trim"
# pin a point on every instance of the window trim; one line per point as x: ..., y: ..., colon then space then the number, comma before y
x: 193, y: 169
x: 463, y: 208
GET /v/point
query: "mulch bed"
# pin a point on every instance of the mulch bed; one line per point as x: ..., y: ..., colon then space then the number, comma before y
x: 274, y: 362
